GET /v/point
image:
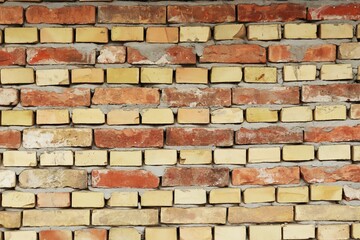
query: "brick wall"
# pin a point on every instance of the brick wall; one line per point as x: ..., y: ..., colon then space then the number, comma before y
x: 179, y: 120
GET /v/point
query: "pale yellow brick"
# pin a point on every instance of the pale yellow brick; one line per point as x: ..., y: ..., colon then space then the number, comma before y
x: 124, y: 234
x: 261, y: 115
x: 126, y: 34
x: 192, y: 75
x: 91, y: 158
x: 123, y: 117
x: 336, y: 30
x: 336, y: 72
x: 292, y: 194
x: 92, y: 34
x: 156, y: 75
x: 298, y: 153
x: 229, y: 233
x: 88, y: 116
x: 21, y: 35
x: 125, y: 158
x: 227, y: 115
x: 229, y: 31
x: 157, y: 116
x: 259, y: 155
x: 225, y: 195
x: 334, y: 152
x: 358, y: 74
x: 299, y: 73
x: 330, y: 112
x: 299, y: 231
x: 195, y: 34
x: 19, y: 159
x: 268, y: 232
x: 20, y: 235
x: 14, y: 199
x: 300, y: 30
x: 193, y: 215
x: 17, y: 75
x: 195, y: 156
x: 123, y: 199
x: 325, y: 193
x: 123, y: 75
x: 87, y: 199
x: 355, y: 111
x: 333, y: 232
x: 296, y: 114
x: 226, y: 74
x: 46, y: 77
x: 259, y: 195
x: 264, y: 32
x: 17, y: 118
x: 56, y: 217
x: 162, y: 34
x: 160, y: 157
x: 356, y: 153
x: 198, y: 233
x: 358, y: 31
x: 260, y: 74
x: 193, y: 116
x: 57, y: 158
x: 230, y: 156
x: 87, y: 75
x: 56, y: 35
x: 157, y: 198
x: 355, y: 230
x: 52, y: 116
x: 190, y: 196
x: 161, y: 233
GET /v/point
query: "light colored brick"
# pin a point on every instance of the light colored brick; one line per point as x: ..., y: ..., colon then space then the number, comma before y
x: 330, y: 112
x: 226, y: 74
x: 355, y: 230
x: 254, y: 115
x: 264, y: 32
x: 260, y: 74
x: 194, y: 215
x: 259, y: 155
x: 52, y: 116
x: 225, y: 195
x: 326, y: 212
x: 88, y: 116
x: 230, y: 156
x: 87, y: 75
x: 259, y: 195
x: 334, y: 152
x: 161, y: 233
x: 195, y: 156
x: 17, y: 118
x: 156, y: 75
x: 195, y: 34
x: 325, y: 193
x: 292, y: 194
x: 19, y: 159
x: 157, y: 116
x: 10, y: 219
x: 355, y: 111
x: 199, y: 233
x: 125, y: 217
x: 20, y: 235
x: 336, y: 30
x: 333, y: 232
x: 192, y: 75
x: 296, y: 114
x: 229, y: 31
x: 59, y: 218
x: 123, y: 117
x: 21, y: 35
x: 124, y: 234
x: 229, y: 233
x: 92, y: 233
x: 162, y: 34
x: 300, y: 30
x: 336, y: 72
x: 299, y: 231
x: 299, y: 73
x: 356, y: 153
x: 123, y: 199
x: 91, y: 158
x: 87, y: 199
x: 298, y: 153
x: 123, y: 75
x: 193, y: 116
x: 56, y: 35
x: 14, y: 199
x: 190, y: 196
x: 53, y: 200
x: 17, y: 76
x: 227, y: 115
x: 125, y: 34
x: 157, y: 198
x: 268, y: 232
x: 7, y: 179
x: 160, y: 157
x: 92, y: 34
x: 125, y: 158
x: 57, y: 158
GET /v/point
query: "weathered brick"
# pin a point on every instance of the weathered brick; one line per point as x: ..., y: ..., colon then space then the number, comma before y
x: 14, y: 199
x: 351, y: 193
x: 265, y: 214
x: 336, y: 72
x: 333, y: 231
x: 227, y: 115
x: 330, y: 112
x: 12, y: 56
x: 327, y: 212
x: 331, y: 174
x: 332, y: 134
x: 11, y: 15
x: 331, y: 93
x: 55, y: 235
x: 348, y: 11
x: 57, y: 158
x: 91, y: 234
x: 53, y: 200
x: 135, y: 95
x: 349, y: 51
x: 299, y: 73
x: 9, y: 96
x: 123, y: 199
x: 125, y: 217
x: 69, y: 217
x: 10, y: 139
x: 112, y: 54
x: 200, y: 215
x: 10, y: 219
x: 46, y: 77
x: 132, y: 14
x: 260, y: 75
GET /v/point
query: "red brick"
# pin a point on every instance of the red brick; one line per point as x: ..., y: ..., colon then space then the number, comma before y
x: 12, y: 56
x: 268, y: 135
x: 124, y: 179
x: 127, y: 138
x: 332, y: 134
x: 282, y: 12
x: 53, y: 200
x: 338, y: 12
x: 61, y: 97
x: 131, y: 14
x: 62, y: 15
x: 275, y: 95
x: 9, y: 97
x: 266, y: 176
x: 91, y: 234
x: 308, y: 53
x: 236, y: 53
x: 10, y: 139
x: 331, y: 93
x: 196, y: 97
x: 62, y: 55
x: 134, y: 95
x: 331, y: 174
x: 11, y: 15
x: 55, y: 235
x: 195, y: 176
x: 203, y: 14
x: 164, y: 55
x: 199, y: 137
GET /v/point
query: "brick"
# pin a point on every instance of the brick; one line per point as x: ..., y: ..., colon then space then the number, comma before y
x: 230, y: 156
x: 124, y: 178
x: 127, y: 33
x: 299, y: 231
x: 336, y: 72
x: 336, y: 12
x: 17, y: 118
x: 349, y: 51
x: 19, y: 159
x: 160, y: 157
x: 123, y: 199
x: 62, y: 15
x: 326, y: 213
x: 125, y: 233
x: 296, y: 114
x: 254, y: 115
x: 264, y: 32
x: 355, y: 230
x: 146, y: 14
x: 88, y: 116
x: 156, y: 75
x: 125, y: 217
x: 267, y: 154
x: 12, y: 56
x: 356, y: 153
x: 87, y: 75
x: 122, y: 75
x: 227, y: 115
x: 46, y: 77
x: 13, y: 199
x: 21, y: 35
x: 293, y: 194
x: 225, y: 195
x: 332, y: 134
x: 57, y: 158
x: 11, y: 15
x: 10, y: 139
x: 330, y: 174
x: 193, y: 116
x: 259, y: 195
x: 87, y: 199
x: 229, y: 31
x: 271, y: 232
x: 195, y: 156
x: 351, y: 193
x: 226, y: 74
x: 157, y: 198
x: 131, y: 96
x: 7, y: 179
x: 201, y: 233
x: 235, y: 53
x: 125, y: 158
x: 201, y: 14
x: 299, y: 73
x: 17, y: 75
x: 300, y: 31
x: 339, y: 30
x: 10, y: 219
x: 9, y: 97
x: 18, y: 235
x: 195, y: 34
x: 325, y: 193
x: 355, y: 111
x: 112, y: 54
x: 91, y: 158
x: 338, y: 231
x: 161, y: 233
x: 92, y: 34
x: 195, y: 176
x: 334, y: 152
x: 330, y: 93
x: 330, y: 112
x: 260, y: 74
x: 162, y: 34
x: 52, y: 116
x: 198, y: 215
x: 189, y: 196
x: 266, y: 176
x: 43, y: 218
x: 56, y: 35
x: 264, y: 214
x: 91, y: 234
x: 283, y: 12
x: 55, y: 235
x: 53, y: 200
x: 229, y: 233
x: 192, y: 75
x: 298, y: 153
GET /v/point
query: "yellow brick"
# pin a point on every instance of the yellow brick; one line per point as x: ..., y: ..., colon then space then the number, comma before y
x: 57, y: 158
x: 20, y: 235
x: 56, y: 217
x: 156, y: 75
x: 298, y: 152
x: 261, y: 115
x: 195, y: 156
x: 356, y: 153
x: 124, y: 234
x: 87, y: 75
x: 123, y: 199
x: 299, y: 73
x: 292, y: 194
x: 268, y: 232
x: 336, y: 72
x: 229, y: 233
x: 264, y: 32
x: 126, y: 34
x: 195, y: 34
x: 259, y: 155
x: 17, y: 118
x: 46, y: 77
x: 355, y: 230
x: 122, y: 75
x: 260, y: 74
x: 325, y: 193
x: 21, y: 35
x: 190, y: 196
x: 300, y: 30
x: 125, y: 158
x: 56, y: 35
x: 330, y: 112
x: 230, y: 156
x: 160, y: 157
x: 91, y: 158
x: 19, y: 159
x: 358, y: 31
x: 225, y: 195
x: 52, y: 116
x: 157, y: 198
x: 355, y: 111
x: 162, y: 34
x: 88, y: 116
x: 226, y: 74
x: 358, y: 76
x: 334, y: 152
x: 192, y: 75
x: 92, y: 34
x: 87, y: 199
x: 157, y: 116
x: 299, y: 231
x: 123, y: 116
x: 259, y: 195
x: 296, y: 114
x: 17, y: 75
x: 229, y: 31
x: 337, y: 30
x: 13, y: 199
x: 333, y: 232
x: 199, y: 233
x: 227, y: 115
x: 193, y: 116
x: 161, y: 233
